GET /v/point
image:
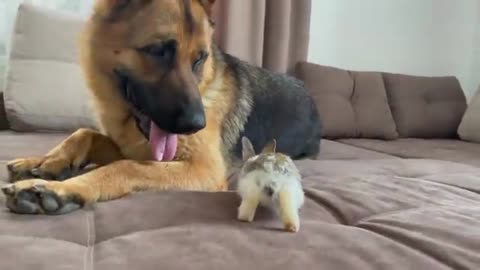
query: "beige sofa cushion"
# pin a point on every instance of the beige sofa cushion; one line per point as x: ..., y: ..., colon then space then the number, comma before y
x: 45, y: 89
x: 436, y: 149
x: 425, y: 107
x: 469, y: 129
x: 351, y: 104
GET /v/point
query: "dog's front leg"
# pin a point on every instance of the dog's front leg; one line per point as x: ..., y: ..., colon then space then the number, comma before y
x: 82, y: 147
x: 85, y: 146
x: 111, y: 182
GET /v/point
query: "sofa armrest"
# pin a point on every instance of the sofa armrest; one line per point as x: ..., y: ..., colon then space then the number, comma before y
x: 3, y: 115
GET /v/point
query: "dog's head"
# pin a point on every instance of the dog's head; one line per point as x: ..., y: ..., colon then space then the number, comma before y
x: 158, y: 53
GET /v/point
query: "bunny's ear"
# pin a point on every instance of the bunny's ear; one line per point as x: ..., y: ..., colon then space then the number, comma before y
x: 271, y: 147
x: 247, y: 149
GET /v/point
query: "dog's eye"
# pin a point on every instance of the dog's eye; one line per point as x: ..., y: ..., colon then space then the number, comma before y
x: 202, y: 56
x: 163, y: 52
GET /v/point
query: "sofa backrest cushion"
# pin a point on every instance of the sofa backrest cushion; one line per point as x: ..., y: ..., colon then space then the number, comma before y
x: 469, y: 129
x: 425, y: 107
x: 45, y: 89
x: 350, y: 104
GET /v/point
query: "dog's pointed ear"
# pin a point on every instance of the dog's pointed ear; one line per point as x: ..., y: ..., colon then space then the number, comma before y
x: 207, y: 5
x: 247, y: 149
x: 109, y: 10
x: 271, y: 147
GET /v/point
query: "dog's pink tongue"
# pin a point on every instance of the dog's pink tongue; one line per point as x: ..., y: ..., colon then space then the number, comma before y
x: 163, y: 144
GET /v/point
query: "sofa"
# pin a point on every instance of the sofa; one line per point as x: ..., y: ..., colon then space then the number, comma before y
x: 395, y: 186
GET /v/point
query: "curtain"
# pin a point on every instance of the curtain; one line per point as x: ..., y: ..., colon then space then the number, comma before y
x: 8, y: 11
x: 273, y: 34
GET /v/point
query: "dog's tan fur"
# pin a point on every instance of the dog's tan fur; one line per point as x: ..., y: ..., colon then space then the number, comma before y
x: 120, y: 149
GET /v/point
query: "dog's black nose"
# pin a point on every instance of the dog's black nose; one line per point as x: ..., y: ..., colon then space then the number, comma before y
x: 191, y: 120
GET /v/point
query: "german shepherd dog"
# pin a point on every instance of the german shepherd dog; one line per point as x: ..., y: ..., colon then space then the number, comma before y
x: 172, y: 109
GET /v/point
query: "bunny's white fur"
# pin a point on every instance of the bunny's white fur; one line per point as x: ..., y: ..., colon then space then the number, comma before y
x: 272, y: 180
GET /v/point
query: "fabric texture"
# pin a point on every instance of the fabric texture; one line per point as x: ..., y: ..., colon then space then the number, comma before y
x: 350, y: 104
x: 15, y: 145
x: 425, y: 107
x: 441, y: 149
x: 358, y: 215
x: 273, y: 34
x: 45, y: 89
x: 334, y: 150
x: 469, y: 129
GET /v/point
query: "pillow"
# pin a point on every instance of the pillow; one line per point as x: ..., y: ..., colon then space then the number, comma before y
x: 350, y: 104
x: 45, y: 89
x: 469, y: 129
x: 425, y: 107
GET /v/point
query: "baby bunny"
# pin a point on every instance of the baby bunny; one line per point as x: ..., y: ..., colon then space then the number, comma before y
x: 272, y: 180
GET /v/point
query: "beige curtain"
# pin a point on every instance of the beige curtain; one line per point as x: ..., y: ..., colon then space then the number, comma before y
x: 273, y: 34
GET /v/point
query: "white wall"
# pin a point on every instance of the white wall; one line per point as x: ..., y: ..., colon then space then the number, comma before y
x: 418, y: 37
x: 475, y: 69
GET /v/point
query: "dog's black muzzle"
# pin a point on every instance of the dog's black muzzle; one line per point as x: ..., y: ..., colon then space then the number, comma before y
x: 170, y: 108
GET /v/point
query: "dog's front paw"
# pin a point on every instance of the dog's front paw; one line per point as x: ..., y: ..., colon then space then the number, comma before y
x: 40, y: 197
x: 47, y: 168
x: 21, y: 169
